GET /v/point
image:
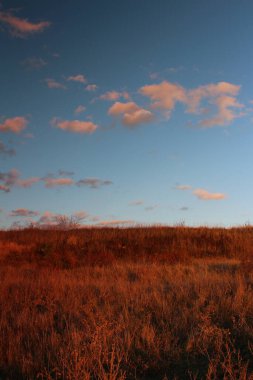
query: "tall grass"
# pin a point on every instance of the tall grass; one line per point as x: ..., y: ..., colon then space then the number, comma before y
x: 141, y: 309
x: 100, y: 246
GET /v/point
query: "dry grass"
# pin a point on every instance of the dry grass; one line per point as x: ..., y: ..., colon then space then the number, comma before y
x: 137, y: 318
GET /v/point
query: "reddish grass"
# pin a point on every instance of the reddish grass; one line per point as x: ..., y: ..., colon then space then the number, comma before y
x: 114, y: 304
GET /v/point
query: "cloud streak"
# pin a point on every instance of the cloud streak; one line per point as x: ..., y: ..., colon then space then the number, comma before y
x: 23, y: 212
x: 11, y: 179
x: 114, y: 95
x: 19, y: 27
x: 93, y: 183
x: 55, y: 182
x: 205, y: 195
x: 52, y: 83
x: 77, y: 78
x: 76, y: 126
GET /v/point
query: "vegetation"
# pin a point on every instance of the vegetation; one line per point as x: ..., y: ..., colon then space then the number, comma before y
x: 137, y: 303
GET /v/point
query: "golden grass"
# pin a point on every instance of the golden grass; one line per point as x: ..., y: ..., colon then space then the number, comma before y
x: 136, y: 318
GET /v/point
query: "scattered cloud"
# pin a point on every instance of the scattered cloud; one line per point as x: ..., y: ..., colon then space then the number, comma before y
x: 153, y: 75
x: 225, y: 114
x: 183, y: 187
x: 151, y: 208
x: 221, y: 96
x: 91, y: 87
x: 52, y: 83
x: 164, y: 95
x: 15, y: 124
x: 65, y: 172
x: 131, y: 114
x: 4, y: 188
x: 80, y: 215
x: 55, y: 182
x: 206, y: 195
x: 48, y: 218
x: 201, y: 194
x: 9, y: 179
x: 6, y: 151
x: 136, y: 203
x: 79, y: 109
x: 77, y: 126
x: 93, y: 183
x: 51, y: 219
x: 34, y: 63
x: 19, y: 27
x: 115, y: 95
x: 12, y: 179
x: 77, y: 78
x: 116, y: 222
x: 23, y: 212
x: 25, y: 183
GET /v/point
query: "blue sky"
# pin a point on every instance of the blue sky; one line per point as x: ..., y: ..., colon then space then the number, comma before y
x: 124, y: 112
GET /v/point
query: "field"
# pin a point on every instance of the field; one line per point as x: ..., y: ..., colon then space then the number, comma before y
x: 137, y: 303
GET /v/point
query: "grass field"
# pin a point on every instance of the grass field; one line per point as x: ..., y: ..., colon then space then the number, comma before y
x: 140, y: 303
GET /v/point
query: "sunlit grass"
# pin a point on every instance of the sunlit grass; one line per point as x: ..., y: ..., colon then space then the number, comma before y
x: 133, y: 317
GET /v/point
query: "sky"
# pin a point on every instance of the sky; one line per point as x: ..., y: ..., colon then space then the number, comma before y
x: 119, y: 113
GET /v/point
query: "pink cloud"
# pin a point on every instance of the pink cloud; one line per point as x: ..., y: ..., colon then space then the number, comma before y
x: 22, y: 27
x: 51, y: 83
x: 23, y: 212
x: 54, y: 182
x: 164, y: 95
x: 48, y: 218
x: 25, y: 183
x: 138, y: 117
x: 115, y: 95
x: 116, y: 222
x: 206, y: 195
x: 80, y: 215
x: 222, y: 95
x: 79, y: 109
x: 131, y: 113
x: 225, y: 114
x: 77, y: 78
x: 12, y: 179
x: 4, y: 188
x: 15, y: 124
x: 119, y: 108
x: 210, y: 91
x: 76, y: 126
x: 91, y: 87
